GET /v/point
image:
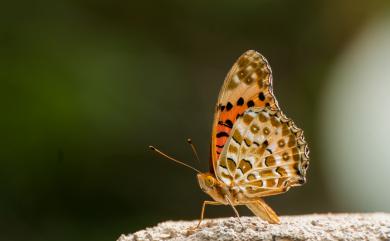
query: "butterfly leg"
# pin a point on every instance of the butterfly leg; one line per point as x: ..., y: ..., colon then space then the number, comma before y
x: 204, y: 209
x: 234, y: 209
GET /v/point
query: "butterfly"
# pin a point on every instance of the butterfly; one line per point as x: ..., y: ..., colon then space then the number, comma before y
x: 256, y: 151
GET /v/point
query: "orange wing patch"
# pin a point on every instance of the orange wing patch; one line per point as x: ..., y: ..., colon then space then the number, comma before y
x: 248, y: 84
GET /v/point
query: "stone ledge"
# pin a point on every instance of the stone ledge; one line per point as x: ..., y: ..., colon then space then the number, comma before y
x: 370, y: 226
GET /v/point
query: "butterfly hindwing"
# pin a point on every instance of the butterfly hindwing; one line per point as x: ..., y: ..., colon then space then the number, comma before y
x: 248, y: 84
x: 265, y: 154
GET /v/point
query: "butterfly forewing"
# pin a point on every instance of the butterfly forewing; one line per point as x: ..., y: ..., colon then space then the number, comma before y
x: 248, y: 84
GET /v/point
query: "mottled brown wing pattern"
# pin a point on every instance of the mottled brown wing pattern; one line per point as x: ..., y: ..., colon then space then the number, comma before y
x: 266, y: 154
x: 248, y: 84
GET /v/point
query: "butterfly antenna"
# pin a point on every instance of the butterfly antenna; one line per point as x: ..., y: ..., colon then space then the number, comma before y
x: 193, y: 149
x: 172, y: 159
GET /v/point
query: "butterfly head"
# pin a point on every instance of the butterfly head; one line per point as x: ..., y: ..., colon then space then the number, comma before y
x: 206, y: 181
x: 210, y: 185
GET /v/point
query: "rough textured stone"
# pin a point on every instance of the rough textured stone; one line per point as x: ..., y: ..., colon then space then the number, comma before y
x: 372, y: 226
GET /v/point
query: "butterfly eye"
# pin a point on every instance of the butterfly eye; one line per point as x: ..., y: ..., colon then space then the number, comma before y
x: 210, y: 181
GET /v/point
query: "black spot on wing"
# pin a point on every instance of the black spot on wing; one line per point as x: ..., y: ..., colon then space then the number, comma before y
x: 265, y: 143
x: 229, y: 123
x: 261, y: 96
x: 229, y: 106
x: 222, y: 134
x: 240, y: 101
x: 250, y: 103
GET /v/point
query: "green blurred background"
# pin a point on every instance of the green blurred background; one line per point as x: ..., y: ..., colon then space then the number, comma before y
x: 86, y: 86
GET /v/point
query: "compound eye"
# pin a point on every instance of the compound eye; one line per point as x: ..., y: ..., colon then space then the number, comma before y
x: 210, y: 181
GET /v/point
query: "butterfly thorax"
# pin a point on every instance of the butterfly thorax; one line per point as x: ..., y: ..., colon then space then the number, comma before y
x: 218, y: 190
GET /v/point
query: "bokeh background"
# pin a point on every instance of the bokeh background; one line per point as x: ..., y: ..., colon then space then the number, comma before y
x: 86, y: 86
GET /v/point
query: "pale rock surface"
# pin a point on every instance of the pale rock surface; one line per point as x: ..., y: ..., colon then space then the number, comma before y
x: 372, y: 226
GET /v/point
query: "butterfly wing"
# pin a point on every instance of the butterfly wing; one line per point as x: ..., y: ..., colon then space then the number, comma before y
x: 263, y: 211
x: 266, y: 154
x: 248, y: 84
